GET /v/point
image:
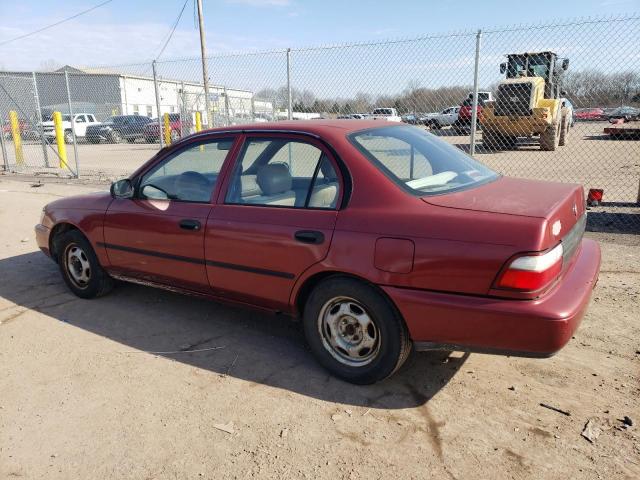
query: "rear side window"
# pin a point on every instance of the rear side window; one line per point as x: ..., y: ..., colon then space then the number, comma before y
x: 419, y: 162
x: 278, y: 172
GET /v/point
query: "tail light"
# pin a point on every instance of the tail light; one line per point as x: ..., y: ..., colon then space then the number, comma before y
x: 530, y: 273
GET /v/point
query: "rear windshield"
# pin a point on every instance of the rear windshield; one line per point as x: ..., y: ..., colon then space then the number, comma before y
x: 420, y: 162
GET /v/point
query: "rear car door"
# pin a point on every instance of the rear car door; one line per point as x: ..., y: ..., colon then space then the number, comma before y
x: 159, y: 234
x: 273, y: 219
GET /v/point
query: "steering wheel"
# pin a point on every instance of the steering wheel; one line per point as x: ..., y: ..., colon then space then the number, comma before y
x: 192, y: 186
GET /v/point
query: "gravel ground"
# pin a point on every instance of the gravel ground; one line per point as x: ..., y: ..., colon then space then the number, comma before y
x: 82, y: 395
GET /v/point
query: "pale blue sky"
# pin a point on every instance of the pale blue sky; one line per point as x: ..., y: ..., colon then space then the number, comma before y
x: 132, y: 30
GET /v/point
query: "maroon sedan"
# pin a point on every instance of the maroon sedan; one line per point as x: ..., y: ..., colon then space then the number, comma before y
x: 380, y: 237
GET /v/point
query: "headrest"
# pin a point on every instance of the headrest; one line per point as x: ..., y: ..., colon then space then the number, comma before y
x: 274, y: 178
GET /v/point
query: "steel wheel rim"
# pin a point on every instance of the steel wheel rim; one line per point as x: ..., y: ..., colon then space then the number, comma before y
x: 348, y: 332
x: 77, y: 266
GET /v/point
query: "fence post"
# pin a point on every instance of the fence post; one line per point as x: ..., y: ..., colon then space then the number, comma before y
x: 474, y: 111
x: 39, y: 120
x: 5, y: 158
x: 155, y: 87
x: 183, y: 109
x: 289, y: 102
x: 226, y: 106
x: 73, y: 124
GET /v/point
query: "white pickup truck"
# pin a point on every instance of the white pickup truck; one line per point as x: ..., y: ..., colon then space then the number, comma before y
x: 80, y: 120
x: 440, y: 119
x: 388, y: 114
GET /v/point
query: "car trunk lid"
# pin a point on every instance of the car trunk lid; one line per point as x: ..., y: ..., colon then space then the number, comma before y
x: 560, y: 206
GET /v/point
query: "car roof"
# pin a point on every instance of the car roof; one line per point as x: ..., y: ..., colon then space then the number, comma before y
x: 316, y: 127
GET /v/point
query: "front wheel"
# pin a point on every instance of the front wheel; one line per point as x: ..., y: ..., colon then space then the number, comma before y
x: 80, y: 267
x: 116, y: 137
x: 354, y: 331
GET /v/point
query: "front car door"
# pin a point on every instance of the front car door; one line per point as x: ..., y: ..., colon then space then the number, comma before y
x: 80, y: 125
x: 274, y: 218
x: 159, y: 234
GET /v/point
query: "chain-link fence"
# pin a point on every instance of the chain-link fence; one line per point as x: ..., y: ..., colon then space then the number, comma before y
x: 557, y: 101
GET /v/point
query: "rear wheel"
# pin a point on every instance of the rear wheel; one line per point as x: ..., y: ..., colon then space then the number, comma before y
x: 116, y: 137
x: 549, y: 139
x: 354, y: 331
x: 79, y: 266
x: 68, y: 136
x: 491, y: 140
x: 435, y: 125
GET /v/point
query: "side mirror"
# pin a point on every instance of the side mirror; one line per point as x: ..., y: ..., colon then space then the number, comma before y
x: 122, y: 189
x: 503, y: 67
x: 565, y: 64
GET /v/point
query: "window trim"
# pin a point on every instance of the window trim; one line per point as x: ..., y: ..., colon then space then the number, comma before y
x: 170, y: 154
x: 344, y: 190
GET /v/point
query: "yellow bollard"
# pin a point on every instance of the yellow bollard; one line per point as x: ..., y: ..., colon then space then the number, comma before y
x: 17, y: 138
x: 62, y: 148
x: 199, y: 126
x: 167, y: 130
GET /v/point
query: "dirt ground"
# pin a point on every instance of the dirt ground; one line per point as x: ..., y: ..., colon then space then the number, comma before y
x: 82, y: 395
x: 589, y: 158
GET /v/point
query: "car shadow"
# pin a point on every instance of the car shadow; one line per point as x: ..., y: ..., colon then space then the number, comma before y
x: 613, y: 222
x: 231, y: 341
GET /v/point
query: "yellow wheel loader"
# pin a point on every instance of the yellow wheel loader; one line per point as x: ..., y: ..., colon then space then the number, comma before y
x: 528, y: 103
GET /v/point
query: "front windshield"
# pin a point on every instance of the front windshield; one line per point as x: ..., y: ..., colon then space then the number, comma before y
x: 420, y: 162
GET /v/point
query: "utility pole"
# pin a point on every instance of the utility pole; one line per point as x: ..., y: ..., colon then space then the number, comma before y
x: 205, y: 73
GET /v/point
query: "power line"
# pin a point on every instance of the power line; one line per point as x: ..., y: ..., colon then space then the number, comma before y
x: 173, y: 29
x: 55, y: 24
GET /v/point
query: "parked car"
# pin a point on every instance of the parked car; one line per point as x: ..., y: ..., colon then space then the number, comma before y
x: 465, y: 114
x: 571, y: 113
x: 151, y: 130
x: 411, y: 118
x: 626, y: 114
x: 590, y: 114
x: 441, y: 119
x: 118, y: 128
x: 81, y: 121
x: 388, y: 114
x: 279, y: 216
x: 23, y: 128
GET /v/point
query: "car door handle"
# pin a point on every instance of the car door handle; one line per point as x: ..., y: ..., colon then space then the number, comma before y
x: 309, y: 236
x: 188, y: 224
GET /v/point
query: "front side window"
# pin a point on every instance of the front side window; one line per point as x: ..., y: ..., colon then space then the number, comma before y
x: 190, y: 175
x: 418, y: 161
x: 283, y: 173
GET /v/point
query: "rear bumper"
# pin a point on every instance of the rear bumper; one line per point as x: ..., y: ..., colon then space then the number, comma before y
x: 42, y: 238
x: 534, y: 328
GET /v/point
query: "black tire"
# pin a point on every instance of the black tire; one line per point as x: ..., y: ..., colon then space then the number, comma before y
x: 435, y: 125
x: 175, y: 136
x: 93, y: 140
x: 115, y: 137
x: 392, y: 345
x: 564, y: 128
x: 68, y: 137
x: 73, y: 244
x: 549, y: 139
x: 131, y: 140
x: 490, y: 140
